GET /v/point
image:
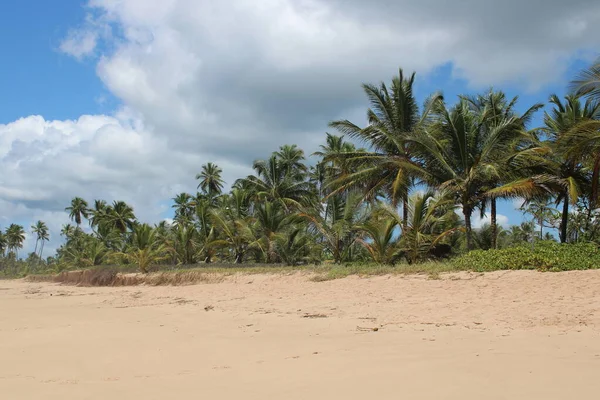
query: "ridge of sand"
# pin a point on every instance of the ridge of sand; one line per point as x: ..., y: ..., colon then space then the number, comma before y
x: 501, y: 335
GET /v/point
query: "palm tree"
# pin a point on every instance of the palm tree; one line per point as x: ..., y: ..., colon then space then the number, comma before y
x: 393, y: 115
x: 77, y: 210
x: 587, y: 83
x: 15, y: 236
x: 290, y: 158
x: 460, y: 154
x: 211, y: 182
x: 184, y: 207
x: 145, y: 249
x: 41, y: 231
x: 338, y: 224
x: 120, y: 216
x: 98, y: 213
x: 381, y: 242
x: 272, y: 182
x: 3, y: 243
x: 431, y: 219
x: 562, y: 127
x: 493, y: 109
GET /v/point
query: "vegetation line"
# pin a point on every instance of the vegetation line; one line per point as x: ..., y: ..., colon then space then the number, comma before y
x: 398, y: 194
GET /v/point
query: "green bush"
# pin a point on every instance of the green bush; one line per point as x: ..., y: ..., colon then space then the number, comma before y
x: 548, y: 256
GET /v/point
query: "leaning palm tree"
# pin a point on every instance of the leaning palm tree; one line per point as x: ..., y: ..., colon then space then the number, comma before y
x: 210, y: 179
x: 78, y: 210
x: 393, y: 115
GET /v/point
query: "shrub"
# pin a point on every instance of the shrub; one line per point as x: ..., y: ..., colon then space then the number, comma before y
x: 544, y: 255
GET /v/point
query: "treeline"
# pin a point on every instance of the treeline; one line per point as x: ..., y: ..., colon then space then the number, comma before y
x: 410, y: 194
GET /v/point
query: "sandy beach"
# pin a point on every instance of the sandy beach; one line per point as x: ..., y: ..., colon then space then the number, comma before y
x: 504, y: 335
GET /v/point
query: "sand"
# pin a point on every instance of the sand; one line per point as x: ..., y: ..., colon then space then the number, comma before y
x: 504, y: 335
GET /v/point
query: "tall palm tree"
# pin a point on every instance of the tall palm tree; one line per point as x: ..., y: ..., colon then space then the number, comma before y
x: 291, y: 160
x: 3, y: 243
x: 184, y: 207
x: 78, y: 210
x: 120, y: 216
x: 493, y: 109
x: 15, y: 236
x: 393, y: 115
x: 41, y: 233
x: 44, y: 237
x: 460, y: 157
x: 98, y: 213
x: 272, y: 182
x: 561, y: 126
x: 210, y: 179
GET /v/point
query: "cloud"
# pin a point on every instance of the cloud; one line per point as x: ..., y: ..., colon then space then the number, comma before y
x: 501, y: 220
x: 229, y: 82
x: 79, y: 44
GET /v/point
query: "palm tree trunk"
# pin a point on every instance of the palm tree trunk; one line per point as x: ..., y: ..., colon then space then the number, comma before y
x: 541, y: 227
x: 41, y: 249
x: 467, y: 211
x: 565, y: 219
x: 36, y: 245
x: 494, y: 224
x: 595, y: 176
x: 404, y: 213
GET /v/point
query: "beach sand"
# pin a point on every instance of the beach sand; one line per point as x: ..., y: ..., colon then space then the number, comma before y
x: 502, y: 335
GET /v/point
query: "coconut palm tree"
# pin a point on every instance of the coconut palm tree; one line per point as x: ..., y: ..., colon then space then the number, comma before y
x: 564, y: 127
x: 337, y: 222
x: 493, y: 109
x: 431, y: 219
x: 587, y: 82
x: 291, y: 160
x: 393, y: 115
x: 78, y: 210
x: 15, y: 236
x: 381, y: 240
x: 460, y: 156
x: 145, y: 249
x: 119, y: 216
x: 40, y: 229
x: 210, y: 179
x: 272, y: 182
x: 3, y: 243
x: 184, y: 207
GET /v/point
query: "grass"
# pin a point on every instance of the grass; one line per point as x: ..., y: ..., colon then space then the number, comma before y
x: 543, y: 257
x: 124, y: 276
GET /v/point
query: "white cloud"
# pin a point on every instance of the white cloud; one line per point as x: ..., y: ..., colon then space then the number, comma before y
x: 478, y: 222
x: 79, y: 44
x: 229, y: 82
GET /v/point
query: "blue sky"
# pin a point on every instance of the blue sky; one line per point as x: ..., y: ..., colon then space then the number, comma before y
x: 125, y: 100
x: 36, y: 78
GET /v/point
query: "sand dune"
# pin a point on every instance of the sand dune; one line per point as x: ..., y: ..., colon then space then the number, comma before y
x: 505, y: 335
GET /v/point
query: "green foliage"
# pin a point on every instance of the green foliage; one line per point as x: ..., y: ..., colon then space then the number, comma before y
x: 542, y: 255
